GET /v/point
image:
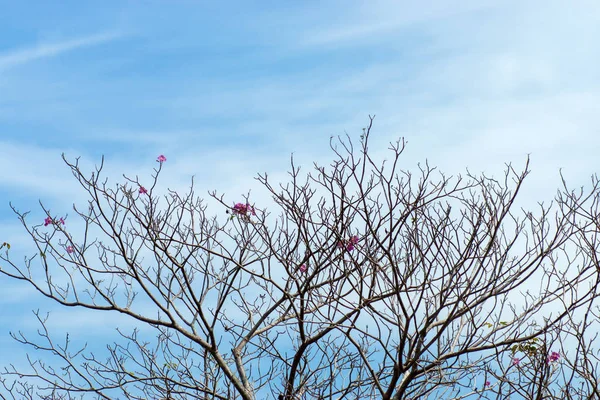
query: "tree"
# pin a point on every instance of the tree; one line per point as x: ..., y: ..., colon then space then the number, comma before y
x: 361, y: 281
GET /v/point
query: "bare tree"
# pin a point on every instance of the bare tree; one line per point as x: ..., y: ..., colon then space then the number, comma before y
x: 360, y: 281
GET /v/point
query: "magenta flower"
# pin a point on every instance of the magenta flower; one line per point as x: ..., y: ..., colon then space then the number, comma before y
x: 161, y: 159
x: 143, y: 190
x: 303, y: 268
x: 48, y: 221
x: 553, y: 357
x: 243, y: 209
x: 516, y: 361
x: 352, y: 242
x: 62, y: 221
x: 70, y: 249
x: 340, y: 245
x: 488, y: 383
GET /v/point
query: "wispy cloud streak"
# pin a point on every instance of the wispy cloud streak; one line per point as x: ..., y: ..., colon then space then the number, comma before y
x: 21, y: 56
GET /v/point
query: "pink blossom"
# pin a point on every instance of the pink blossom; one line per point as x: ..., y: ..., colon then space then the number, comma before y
x: 488, y: 383
x: 62, y: 221
x: 516, y: 361
x: 340, y: 245
x: 70, y: 249
x: 303, y: 268
x: 161, y: 159
x: 243, y: 209
x: 553, y: 357
x: 143, y: 190
x: 352, y: 242
x: 48, y: 221
x: 240, y: 208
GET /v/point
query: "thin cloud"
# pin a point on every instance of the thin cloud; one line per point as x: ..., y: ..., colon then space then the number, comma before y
x: 25, y: 55
x: 383, y: 18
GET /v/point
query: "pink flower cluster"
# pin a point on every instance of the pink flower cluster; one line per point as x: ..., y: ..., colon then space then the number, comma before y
x: 243, y: 209
x: 553, y: 357
x: 143, y: 190
x: 303, y: 268
x: 50, y: 221
x: 349, y: 244
x: 70, y: 249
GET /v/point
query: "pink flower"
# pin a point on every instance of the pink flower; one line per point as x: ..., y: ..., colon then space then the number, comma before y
x: 553, y: 357
x: 243, y: 209
x: 303, y: 268
x: 351, y: 243
x: 48, y: 221
x: 516, y: 361
x: 488, y: 383
x: 62, y: 221
x: 161, y: 159
x: 143, y: 190
x: 70, y: 249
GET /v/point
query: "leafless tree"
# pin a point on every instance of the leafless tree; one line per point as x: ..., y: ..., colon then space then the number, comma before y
x: 360, y: 281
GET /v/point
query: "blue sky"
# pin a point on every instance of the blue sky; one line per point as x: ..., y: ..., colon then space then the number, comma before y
x: 226, y: 91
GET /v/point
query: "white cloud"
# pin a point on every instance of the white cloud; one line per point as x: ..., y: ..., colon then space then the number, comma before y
x: 383, y: 20
x: 35, y: 170
x: 45, y: 50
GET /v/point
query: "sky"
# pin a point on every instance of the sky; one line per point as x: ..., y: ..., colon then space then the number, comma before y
x: 226, y: 91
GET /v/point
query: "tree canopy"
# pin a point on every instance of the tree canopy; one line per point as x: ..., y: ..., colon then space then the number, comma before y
x: 358, y: 280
